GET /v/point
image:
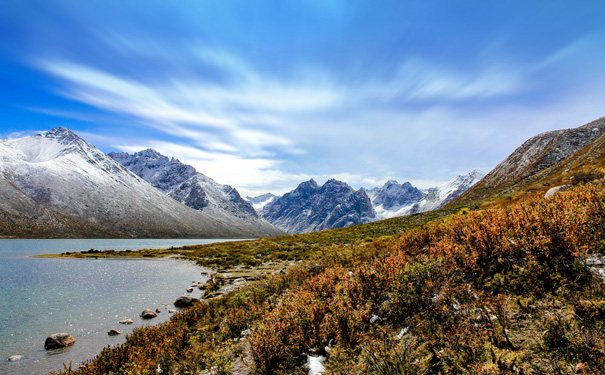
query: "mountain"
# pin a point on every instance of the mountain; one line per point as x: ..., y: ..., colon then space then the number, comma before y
x: 259, y: 202
x: 160, y: 171
x: 393, y: 197
x: 311, y: 207
x: 182, y: 183
x: 438, y: 197
x: 539, y: 163
x: 56, y: 184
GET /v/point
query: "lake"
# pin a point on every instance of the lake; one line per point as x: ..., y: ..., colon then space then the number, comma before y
x: 85, y: 298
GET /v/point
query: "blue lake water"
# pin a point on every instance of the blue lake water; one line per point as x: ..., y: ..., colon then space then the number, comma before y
x: 85, y: 298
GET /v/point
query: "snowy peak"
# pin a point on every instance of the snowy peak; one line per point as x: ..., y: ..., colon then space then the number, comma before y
x: 439, y: 196
x: 392, y: 196
x: 53, y: 144
x: 182, y: 183
x: 310, y: 207
x: 259, y: 202
x: 160, y: 171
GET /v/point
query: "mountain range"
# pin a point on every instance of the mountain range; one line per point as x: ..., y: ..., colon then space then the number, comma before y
x: 182, y: 183
x: 311, y: 207
x: 56, y: 184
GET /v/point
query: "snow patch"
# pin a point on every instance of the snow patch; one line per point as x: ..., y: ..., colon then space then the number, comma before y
x: 315, y: 364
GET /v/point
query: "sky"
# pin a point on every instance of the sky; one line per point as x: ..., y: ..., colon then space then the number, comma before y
x: 265, y: 94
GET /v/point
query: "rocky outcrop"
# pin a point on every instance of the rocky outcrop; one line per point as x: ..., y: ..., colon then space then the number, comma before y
x: 59, y: 340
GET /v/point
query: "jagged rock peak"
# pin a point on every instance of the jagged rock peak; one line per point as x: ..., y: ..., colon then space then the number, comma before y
x: 310, y: 207
x: 162, y: 172
x: 61, y: 133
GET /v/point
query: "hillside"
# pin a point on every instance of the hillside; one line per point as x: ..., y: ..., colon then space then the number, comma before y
x: 544, y: 161
x: 506, y: 290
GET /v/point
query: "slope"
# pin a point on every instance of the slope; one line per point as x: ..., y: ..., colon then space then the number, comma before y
x: 538, y: 164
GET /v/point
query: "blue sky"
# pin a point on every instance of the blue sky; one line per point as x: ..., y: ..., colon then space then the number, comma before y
x: 265, y: 94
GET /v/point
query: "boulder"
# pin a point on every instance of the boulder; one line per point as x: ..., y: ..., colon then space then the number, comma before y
x: 58, y: 340
x: 148, y: 314
x: 157, y: 310
x: 185, y: 301
x: 189, y: 290
x: 114, y: 332
x: 126, y: 321
x: 553, y: 191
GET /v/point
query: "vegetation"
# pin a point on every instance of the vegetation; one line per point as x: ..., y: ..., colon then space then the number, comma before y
x: 494, y: 291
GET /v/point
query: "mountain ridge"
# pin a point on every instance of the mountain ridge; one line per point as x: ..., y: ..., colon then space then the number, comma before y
x: 56, y: 184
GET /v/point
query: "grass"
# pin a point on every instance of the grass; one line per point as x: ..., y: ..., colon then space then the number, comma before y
x: 495, y: 291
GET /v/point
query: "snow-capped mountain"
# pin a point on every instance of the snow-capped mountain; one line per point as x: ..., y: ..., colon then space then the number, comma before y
x: 393, y: 197
x: 161, y: 172
x: 259, y: 202
x: 182, y: 183
x: 311, y: 207
x: 56, y: 184
x: 439, y: 196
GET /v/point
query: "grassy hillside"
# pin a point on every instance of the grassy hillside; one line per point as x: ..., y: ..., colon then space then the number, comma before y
x: 499, y: 290
x: 533, y: 168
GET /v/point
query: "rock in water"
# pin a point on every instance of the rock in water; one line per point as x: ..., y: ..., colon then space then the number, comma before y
x: 114, y: 332
x: 58, y: 340
x: 126, y: 321
x: 185, y: 301
x: 14, y: 358
x: 148, y: 314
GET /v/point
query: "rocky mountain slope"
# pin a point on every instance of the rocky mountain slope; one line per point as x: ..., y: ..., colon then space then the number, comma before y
x: 182, y: 183
x: 311, y: 207
x: 58, y: 185
x: 259, y: 202
x: 531, y: 167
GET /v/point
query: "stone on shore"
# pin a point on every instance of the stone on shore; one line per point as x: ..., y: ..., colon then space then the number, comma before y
x: 58, y: 340
x: 185, y: 301
x: 148, y: 314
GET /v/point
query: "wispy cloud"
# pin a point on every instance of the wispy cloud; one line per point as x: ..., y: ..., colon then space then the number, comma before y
x: 253, y: 129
